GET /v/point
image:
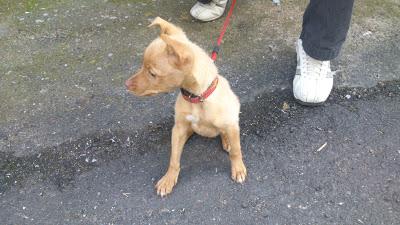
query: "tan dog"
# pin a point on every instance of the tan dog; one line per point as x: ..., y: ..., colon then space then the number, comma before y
x: 172, y: 61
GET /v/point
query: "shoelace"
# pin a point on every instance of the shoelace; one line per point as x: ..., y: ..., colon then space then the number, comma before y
x: 212, y: 5
x: 315, y: 67
x: 221, y: 4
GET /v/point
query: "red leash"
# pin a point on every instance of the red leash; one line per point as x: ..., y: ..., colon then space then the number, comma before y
x: 199, y: 99
x: 215, y: 51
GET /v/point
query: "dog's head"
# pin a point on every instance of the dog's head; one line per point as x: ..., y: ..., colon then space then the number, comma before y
x: 167, y: 61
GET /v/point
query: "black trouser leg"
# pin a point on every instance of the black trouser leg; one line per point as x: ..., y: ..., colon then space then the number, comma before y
x: 325, y: 26
x: 204, y: 1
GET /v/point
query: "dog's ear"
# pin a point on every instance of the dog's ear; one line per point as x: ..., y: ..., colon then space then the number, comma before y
x: 180, y: 51
x: 166, y: 27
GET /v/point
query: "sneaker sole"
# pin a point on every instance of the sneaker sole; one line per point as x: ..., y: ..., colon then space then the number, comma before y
x: 308, y: 103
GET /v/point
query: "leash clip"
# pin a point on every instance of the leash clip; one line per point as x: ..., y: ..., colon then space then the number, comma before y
x: 216, y: 49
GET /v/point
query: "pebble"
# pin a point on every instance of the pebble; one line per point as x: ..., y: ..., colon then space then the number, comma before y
x: 285, y: 106
x: 367, y: 33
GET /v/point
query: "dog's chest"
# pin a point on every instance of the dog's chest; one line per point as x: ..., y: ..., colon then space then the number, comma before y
x: 195, y: 116
x: 201, y: 125
x: 201, y: 122
x: 194, y: 119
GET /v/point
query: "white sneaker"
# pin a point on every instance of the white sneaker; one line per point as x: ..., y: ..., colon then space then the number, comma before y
x: 313, y: 81
x: 208, y: 12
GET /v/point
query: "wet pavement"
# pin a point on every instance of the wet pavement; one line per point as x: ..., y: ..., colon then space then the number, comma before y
x: 75, y: 148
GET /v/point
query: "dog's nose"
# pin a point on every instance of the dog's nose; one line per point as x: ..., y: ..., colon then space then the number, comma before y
x: 128, y: 83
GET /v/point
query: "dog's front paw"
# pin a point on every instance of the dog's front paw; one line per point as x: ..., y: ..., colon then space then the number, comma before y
x: 239, y: 171
x: 166, y: 183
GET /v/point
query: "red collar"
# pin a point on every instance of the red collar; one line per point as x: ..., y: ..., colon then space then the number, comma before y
x: 192, y: 98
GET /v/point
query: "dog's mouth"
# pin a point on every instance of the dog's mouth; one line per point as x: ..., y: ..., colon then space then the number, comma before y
x: 144, y: 94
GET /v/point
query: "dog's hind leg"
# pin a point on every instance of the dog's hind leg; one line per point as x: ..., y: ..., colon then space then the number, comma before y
x: 180, y: 133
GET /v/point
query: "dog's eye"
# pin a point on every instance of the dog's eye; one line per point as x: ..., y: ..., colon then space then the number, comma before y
x: 152, y: 74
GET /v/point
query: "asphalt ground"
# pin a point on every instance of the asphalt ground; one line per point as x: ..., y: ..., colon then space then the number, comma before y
x: 75, y: 148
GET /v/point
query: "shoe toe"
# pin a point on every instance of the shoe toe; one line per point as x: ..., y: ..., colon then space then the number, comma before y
x: 196, y: 10
x: 206, y: 15
x: 312, y: 90
x: 206, y: 12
